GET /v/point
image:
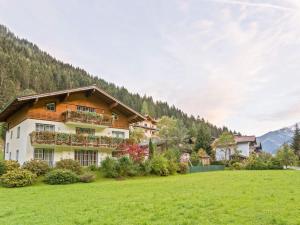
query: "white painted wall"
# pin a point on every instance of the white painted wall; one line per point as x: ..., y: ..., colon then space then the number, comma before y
x: 243, y: 148
x: 26, y: 150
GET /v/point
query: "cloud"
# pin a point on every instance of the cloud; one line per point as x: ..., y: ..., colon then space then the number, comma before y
x: 254, y: 4
x: 230, y: 60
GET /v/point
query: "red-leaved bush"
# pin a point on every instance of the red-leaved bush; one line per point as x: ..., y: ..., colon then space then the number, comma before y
x: 134, y: 151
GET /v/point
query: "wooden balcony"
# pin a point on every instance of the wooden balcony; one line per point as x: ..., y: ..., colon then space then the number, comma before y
x: 56, y: 139
x: 87, y: 119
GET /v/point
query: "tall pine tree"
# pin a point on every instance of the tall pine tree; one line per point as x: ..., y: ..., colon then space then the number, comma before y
x: 296, y: 141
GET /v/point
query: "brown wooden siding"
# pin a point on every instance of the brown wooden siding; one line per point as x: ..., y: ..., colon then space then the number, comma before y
x: 38, y: 110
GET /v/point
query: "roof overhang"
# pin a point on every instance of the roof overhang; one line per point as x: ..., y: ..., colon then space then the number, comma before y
x: 113, y: 103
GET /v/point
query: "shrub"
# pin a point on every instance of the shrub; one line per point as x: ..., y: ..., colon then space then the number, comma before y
x: 274, y: 164
x: 145, y: 168
x: 87, y: 177
x: 159, y: 165
x: 126, y: 167
x: 11, y: 165
x: 69, y: 164
x: 37, y: 167
x: 172, y: 154
x: 218, y: 163
x: 8, y: 165
x: 2, y: 168
x: 18, y: 178
x: 93, y: 168
x: 109, y: 167
x: 195, y: 159
x: 183, y: 168
x: 256, y: 165
x: 60, y: 176
x: 237, y: 166
x: 172, y: 166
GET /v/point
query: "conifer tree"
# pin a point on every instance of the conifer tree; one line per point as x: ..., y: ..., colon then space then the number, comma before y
x: 296, y: 141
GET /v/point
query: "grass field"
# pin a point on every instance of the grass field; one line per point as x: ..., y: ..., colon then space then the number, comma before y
x: 225, y: 197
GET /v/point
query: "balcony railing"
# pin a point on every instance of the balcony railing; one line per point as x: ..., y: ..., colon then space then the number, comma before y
x: 88, y: 118
x: 74, y: 140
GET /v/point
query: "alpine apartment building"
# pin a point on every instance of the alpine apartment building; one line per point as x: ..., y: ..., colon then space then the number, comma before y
x: 85, y: 124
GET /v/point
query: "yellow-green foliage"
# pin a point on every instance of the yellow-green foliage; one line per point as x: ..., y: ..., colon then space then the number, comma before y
x: 17, y: 178
x: 37, y: 167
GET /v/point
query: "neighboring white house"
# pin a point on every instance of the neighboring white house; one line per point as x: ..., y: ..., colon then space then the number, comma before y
x: 85, y: 124
x: 149, y: 126
x: 245, y: 145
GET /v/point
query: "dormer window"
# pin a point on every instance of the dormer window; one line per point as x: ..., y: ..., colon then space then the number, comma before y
x: 51, y: 106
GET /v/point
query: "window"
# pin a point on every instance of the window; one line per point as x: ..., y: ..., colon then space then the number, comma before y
x: 7, y: 147
x: 89, y: 131
x: 86, y: 157
x: 81, y: 108
x: 45, y: 155
x: 18, y: 132
x: 9, y: 156
x: 44, y: 127
x: 11, y: 134
x: 115, y: 116
x: 118, y: 134
x: 51, y: 106
x: 17, y: 155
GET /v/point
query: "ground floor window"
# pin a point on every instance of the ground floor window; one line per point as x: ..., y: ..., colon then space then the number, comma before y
x: 44, y: 154
x: 118, y: 134
x: 17, y: 155
x: 86, y: 157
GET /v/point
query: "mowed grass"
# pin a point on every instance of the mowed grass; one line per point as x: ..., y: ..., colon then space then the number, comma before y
x: 225, y: 197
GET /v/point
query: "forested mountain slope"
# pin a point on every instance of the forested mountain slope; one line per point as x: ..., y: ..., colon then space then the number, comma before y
x: 25, y: 69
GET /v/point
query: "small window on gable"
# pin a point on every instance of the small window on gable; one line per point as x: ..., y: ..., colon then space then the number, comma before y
x: 11, y: 134
x: 115, y: 116
x: 51, y: 106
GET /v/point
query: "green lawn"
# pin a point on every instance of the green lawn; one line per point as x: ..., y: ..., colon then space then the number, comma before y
x: 225, y: 197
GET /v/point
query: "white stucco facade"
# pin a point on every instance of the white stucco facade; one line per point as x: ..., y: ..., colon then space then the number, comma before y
x: 20, y: 148
x: 243, y: 149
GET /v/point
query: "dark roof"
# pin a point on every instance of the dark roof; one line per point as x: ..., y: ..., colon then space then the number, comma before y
x: 241, y: 139
x: 19, y: 102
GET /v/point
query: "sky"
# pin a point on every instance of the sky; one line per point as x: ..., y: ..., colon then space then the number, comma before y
x: 233, y: 62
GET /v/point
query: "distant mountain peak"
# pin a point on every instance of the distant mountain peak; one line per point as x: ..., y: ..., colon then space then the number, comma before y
x: 273, y: 140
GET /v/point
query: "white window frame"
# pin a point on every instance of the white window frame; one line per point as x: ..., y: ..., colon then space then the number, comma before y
x: 82, y: 108
x: 51, y: 106
x: 7, y: 147
x: 44, y: 154
x: 118, y: 134
x: 17, y: 155
x: 86, y: 157
x: 18, y: 132
x: 44, y: 127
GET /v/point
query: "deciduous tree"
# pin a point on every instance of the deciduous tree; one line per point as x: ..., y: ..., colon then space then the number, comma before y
x: 286, y: 156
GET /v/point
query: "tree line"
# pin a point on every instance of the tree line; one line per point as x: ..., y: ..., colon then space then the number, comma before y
x: 25, y: 69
